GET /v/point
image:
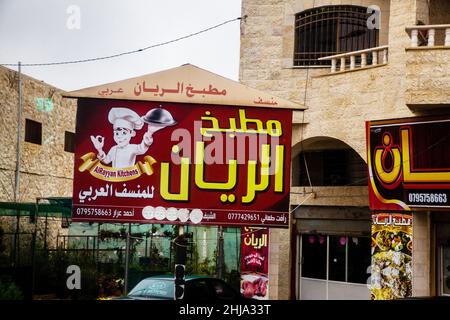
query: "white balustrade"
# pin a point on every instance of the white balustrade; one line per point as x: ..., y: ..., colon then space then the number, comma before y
x: 363, y: 60
x: 343, y: 64
x: 362, y: 54
x: 430, y: 32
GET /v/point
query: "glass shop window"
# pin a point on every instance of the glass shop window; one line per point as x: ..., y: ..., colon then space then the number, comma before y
x: 314, y: 249
x: 348, y: 257
x: 359, y: 259
x: 337, y: 258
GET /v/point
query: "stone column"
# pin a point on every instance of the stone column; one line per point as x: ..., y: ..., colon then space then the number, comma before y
x: 279, y: 264
x: 421, y: 282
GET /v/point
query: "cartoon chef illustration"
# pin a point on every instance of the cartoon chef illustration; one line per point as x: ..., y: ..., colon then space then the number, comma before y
x: 125, y: 123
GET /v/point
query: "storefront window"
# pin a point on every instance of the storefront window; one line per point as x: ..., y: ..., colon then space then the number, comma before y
x: 443, y: 256
x: 359, y: 259
x: 314, y: 256
x: 446, y: 270
x: 337, y: 258
x: 348, y: 257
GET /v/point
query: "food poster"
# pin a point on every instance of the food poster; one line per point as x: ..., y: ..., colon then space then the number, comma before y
x: 392, y: 245
x: 255, y: 263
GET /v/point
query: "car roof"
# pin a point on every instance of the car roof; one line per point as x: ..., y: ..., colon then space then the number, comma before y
x: 171, y: 277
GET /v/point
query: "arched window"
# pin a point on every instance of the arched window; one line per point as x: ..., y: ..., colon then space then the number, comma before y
x: 329, y: 30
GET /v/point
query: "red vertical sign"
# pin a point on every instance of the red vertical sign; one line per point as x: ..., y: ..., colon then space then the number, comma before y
x: 255, y: 263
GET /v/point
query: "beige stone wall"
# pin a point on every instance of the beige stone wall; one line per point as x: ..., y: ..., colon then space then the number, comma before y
x: 267, y: 44
x: 333, y: 108
x: 350, y: 196
x: 46, y: 170
x: 428, y: 77
x: 339, y: 104
x: 52, y: 233
x: 421, y: 254
x: 279, y: 263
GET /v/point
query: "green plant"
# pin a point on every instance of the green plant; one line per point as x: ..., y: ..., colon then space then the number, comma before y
x: 3, y: 257
x: 168, y: 233
x: 9, y: 290
x: 109, y: 285
x: 207, y: 267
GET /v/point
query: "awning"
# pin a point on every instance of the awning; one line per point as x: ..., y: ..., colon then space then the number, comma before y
x: 58, y: 207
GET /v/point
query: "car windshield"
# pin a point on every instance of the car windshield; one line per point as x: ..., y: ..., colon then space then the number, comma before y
x: 156, y: 288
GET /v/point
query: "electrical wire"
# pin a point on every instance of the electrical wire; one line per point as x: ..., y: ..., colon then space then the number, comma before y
x: 303, y: 122
x: 126, y: 52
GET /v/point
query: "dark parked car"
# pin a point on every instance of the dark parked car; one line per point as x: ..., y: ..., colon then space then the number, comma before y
x: 197, y: 288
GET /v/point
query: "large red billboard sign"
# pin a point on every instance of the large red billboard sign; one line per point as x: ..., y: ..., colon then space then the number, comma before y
x: 409, y: 164
x: 174, y: 163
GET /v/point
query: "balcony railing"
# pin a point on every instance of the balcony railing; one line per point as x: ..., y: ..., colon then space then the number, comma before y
x: 426, y: 35
x: 375, y: 56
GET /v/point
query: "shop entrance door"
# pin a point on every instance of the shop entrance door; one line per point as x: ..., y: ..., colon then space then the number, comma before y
x: 444, y: 270
x: 442, y: 254
x: 333, y: 267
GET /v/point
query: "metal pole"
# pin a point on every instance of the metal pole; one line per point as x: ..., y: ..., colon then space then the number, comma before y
x: 98, y: 244
x: 18, y: 153
x: 220, y: 253
x: 45, y: 231
x: 33, y: 277
x: 146, y: 245
x: 19, y: 136
x: 16, y: 253
x: 127, y: 257
x: 151, y: 243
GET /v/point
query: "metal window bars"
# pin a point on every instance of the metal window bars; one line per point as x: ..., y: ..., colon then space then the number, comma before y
x: 330, y: 30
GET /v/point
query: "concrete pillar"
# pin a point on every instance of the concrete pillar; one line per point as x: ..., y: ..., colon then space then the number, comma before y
x: 431, y: 34
x: 280, y: 263
x: 421, y: 282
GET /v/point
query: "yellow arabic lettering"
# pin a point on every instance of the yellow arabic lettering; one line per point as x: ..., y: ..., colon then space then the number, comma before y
x: 199, y: 171
x: 183, y: 195
x: 270, y: 130
x: 244, y: 121
x: 252, y: 186
x: 254, y: 241
x: 279, y: 163
x: 215, y: 125
x: 274, y: 128
x: 247, y: 243
x: 388, y: 176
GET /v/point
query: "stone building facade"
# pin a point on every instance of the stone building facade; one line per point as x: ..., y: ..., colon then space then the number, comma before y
x: 46, y: 169
x: 408, y: 80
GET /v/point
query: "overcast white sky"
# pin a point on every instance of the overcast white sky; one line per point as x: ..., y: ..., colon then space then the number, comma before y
x: 36, y: 31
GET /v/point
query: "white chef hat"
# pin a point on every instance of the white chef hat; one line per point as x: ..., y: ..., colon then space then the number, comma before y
x: 125, y: 118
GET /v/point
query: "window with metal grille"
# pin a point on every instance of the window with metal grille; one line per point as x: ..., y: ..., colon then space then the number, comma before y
x: 330, y: 30
x: 331, y: 168
x: 33, y: 131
